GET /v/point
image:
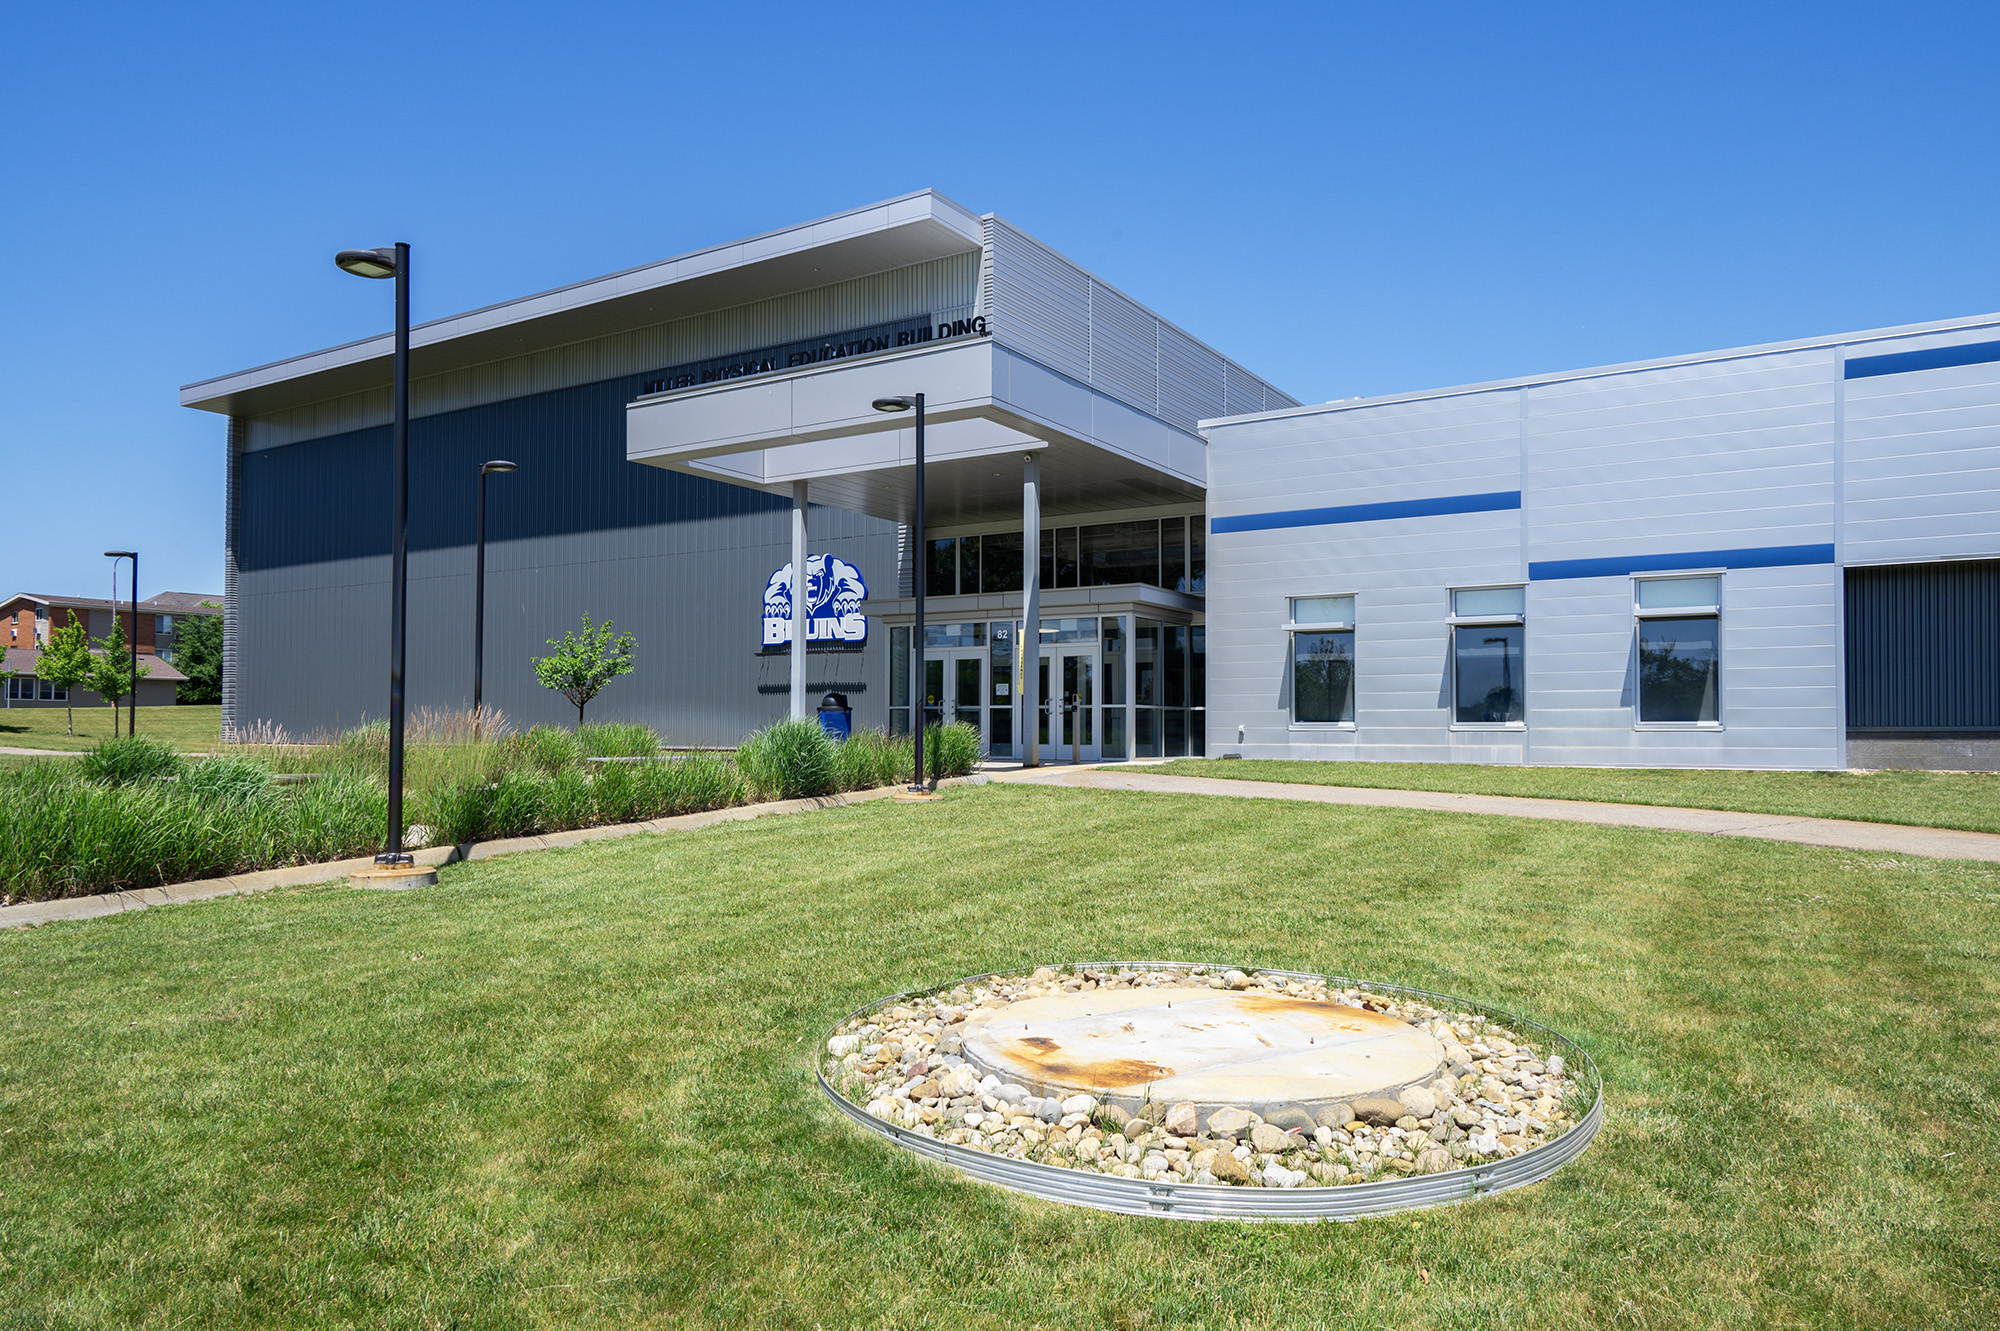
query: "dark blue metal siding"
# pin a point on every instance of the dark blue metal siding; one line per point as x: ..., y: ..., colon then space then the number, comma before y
x: 1923, y: 647
x: 678, y: 560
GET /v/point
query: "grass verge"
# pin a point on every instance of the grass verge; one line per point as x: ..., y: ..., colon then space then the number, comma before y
x: 1968, y: 800
x: 573, y: 1089
x: 194, y: 728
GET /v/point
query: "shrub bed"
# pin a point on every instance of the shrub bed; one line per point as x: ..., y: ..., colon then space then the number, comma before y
x: 134, y: 813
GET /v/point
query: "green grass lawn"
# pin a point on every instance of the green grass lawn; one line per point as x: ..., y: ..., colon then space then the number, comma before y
x: 1969, y: 800
x: 573, y: 1088
x: 194, y: 728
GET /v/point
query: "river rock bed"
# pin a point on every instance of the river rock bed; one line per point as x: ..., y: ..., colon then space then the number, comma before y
x: 1499, y: 1095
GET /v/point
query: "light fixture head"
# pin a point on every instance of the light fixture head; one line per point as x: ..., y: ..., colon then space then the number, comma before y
x: 894, y: 403
x: 367, y: 263
x: 121, y: 554
x: 496, y: 465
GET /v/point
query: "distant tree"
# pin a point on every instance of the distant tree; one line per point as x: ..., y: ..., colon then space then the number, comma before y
x: 198, y: 655
x: 585, y: 662
x: 66, y: 663
x: 112, y: 675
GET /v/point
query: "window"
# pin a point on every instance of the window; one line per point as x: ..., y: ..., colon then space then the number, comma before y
x: 1000, y: 563
x: 1489, y: 656
x: 163, y: 624
x: 1679, y: 650
x: 899, y: 680
x: 1322, y: 630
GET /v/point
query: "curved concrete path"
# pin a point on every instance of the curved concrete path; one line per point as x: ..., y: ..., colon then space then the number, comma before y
x: 1928, y: 842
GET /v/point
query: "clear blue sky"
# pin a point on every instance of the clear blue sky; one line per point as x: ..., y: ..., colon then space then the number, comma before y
x: 1348, y: 199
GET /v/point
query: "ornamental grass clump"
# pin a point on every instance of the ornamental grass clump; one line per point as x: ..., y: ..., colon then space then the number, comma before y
x: 951, y: 750
x: 871, y: 758
x: 130, y: 758
x: 790, y: 759
x: 617, y: 739
x: 65, y: 834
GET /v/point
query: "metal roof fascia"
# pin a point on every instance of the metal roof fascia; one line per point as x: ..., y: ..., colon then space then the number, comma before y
x: 897, y: 212
x: 1963, y: 323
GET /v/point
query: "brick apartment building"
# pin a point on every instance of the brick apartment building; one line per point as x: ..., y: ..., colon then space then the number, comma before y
x: 28, y: 619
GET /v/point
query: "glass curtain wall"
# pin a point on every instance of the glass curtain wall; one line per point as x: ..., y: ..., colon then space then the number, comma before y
x: 1113, y: 740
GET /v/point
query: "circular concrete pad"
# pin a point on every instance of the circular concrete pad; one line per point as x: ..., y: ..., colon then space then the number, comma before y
x: 1248, y: 1049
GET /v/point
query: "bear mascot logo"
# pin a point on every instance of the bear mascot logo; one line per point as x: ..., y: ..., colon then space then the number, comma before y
x: 834, y: 593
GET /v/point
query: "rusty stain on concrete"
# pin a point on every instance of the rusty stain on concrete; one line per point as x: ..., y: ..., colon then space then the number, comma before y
x: 1243, y: 1048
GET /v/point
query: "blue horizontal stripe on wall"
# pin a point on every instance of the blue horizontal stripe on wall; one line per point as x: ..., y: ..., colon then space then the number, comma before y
x: 1766, y: 556
x: 1400, y: 508
x: 1931, y: 358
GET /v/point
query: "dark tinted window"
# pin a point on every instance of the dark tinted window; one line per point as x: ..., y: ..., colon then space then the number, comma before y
x: 1678, y: 669
x: 1000, y: 562
x: 1492, y: 672
x: 1323, y: 676
x: 1117, y: 553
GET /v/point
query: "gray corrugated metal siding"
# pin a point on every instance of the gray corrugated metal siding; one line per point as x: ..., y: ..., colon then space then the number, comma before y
x: 1923, y: 647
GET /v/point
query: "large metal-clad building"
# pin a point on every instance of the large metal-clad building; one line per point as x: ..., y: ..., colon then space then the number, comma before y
x: 664, y: 419
x: 1779, y: 556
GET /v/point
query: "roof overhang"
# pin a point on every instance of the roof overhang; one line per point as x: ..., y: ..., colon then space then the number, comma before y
x: 986, y: 406
x: 909, y: 230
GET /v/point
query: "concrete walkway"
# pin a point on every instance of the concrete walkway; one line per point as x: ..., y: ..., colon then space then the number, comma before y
x: 1927, y: 842
x: 334, y: 871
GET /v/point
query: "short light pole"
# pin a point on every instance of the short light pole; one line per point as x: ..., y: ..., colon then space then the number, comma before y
x: 132, y: 704
x: 479, y: 586
x: 920, y: 566
x: 394, y: 261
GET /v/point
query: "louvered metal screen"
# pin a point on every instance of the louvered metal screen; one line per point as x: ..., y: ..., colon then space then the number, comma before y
x: 1923, y: 647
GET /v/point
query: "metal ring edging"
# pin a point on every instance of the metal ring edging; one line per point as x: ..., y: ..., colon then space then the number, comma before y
x: 1194, y: 1201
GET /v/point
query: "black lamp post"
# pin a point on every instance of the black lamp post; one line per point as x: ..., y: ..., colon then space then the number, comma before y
x: 132, y: 706
x: 394, y: 262
x: 479, y: 585
x: 920, y: 566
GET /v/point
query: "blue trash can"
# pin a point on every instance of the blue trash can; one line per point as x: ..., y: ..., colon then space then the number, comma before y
x: 836, y: 718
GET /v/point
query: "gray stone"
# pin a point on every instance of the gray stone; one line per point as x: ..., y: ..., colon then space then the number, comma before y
x: 1378, y: 1110
x: 1111, y: 1114
x: 948, y: 1044
x: 1182, y: 1119
x: 1292, y: 1117
x: 1153, y: 1112
x: 1464, y: 1115
x: 1419, y: 1101
x: 1265, y: 1137
x: 1228, y: 1121
x: 1336, y: 1115
x: 1433, y: 1160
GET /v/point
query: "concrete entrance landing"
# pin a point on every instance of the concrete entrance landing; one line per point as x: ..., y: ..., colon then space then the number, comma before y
x: 1251, y: 1050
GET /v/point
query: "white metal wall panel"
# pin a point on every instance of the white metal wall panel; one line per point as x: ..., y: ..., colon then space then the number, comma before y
x: 1190, y: 379
x: 940, y: 284
x: 1720, y: 455
x: 1922, y: 474
x: 1124, y: 349
x: 1242, y: 391
x: 1041, y: 301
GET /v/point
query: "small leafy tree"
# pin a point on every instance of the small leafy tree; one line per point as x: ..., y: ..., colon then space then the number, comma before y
x: 585, y: 662
x: 198, y: 655
x: 66, y: 663
x: 112, y: 675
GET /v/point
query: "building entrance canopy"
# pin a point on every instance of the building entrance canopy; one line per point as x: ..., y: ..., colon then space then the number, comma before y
x: 986, y: 406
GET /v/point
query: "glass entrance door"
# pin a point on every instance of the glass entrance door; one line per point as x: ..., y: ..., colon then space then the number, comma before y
x: 954, y: 686
x: 1068, y: 714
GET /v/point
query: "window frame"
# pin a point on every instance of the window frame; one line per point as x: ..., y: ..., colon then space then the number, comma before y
x: 1293, y: 627
x: 1453, y: 622
x: 1641, y: 613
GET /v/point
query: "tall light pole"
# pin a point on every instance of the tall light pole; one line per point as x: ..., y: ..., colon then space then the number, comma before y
x: 479, y: 585
x: 132, y: 706
x: 920, y: 567
x: 394, y: 262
